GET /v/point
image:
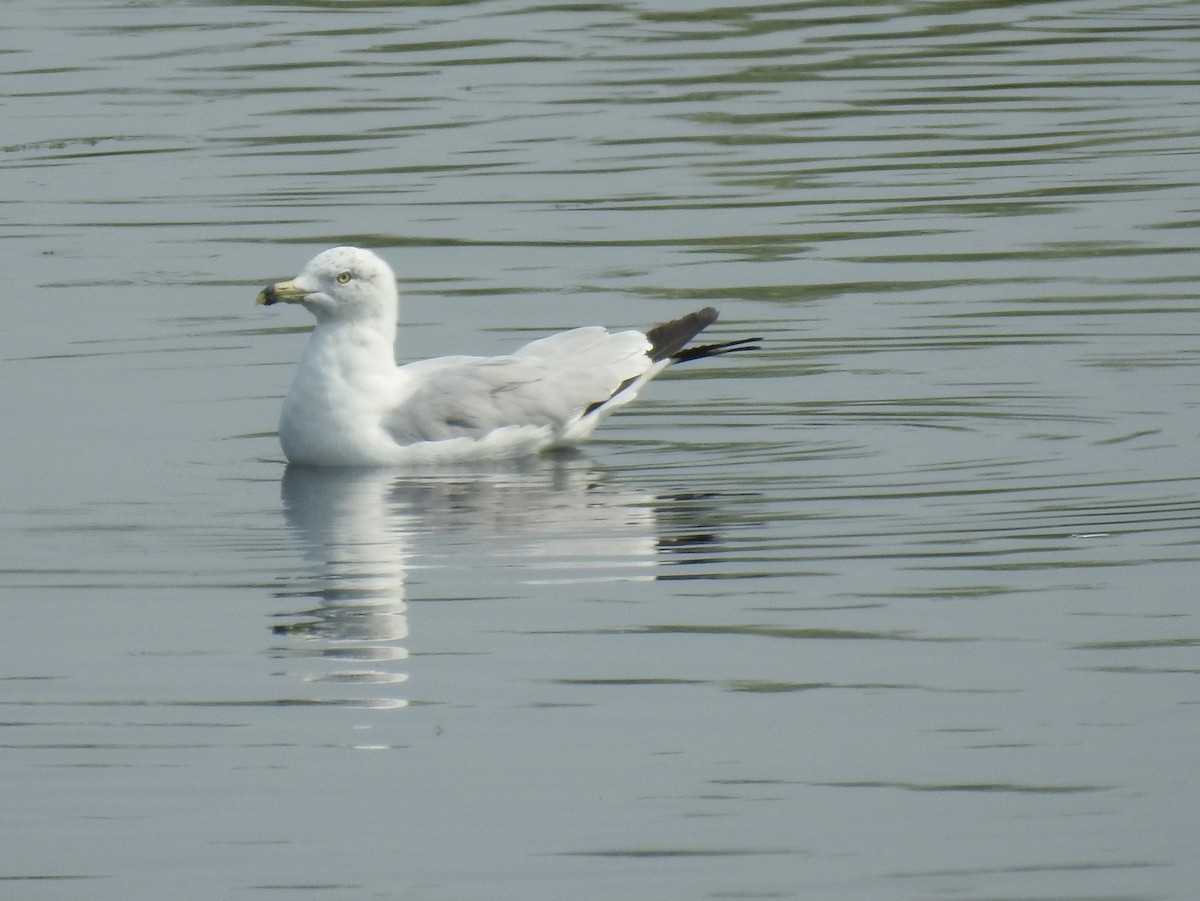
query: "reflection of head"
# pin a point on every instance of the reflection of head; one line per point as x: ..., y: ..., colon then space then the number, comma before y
x: 348, y: 612
x: 357, y: 543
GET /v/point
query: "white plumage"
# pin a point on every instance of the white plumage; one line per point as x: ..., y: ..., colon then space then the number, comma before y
x: 349, y: 404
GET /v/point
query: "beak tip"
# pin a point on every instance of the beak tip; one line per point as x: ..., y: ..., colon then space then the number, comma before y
x: 281, y: 292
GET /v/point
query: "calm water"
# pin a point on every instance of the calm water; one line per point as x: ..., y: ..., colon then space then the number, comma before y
x: 903, y: 607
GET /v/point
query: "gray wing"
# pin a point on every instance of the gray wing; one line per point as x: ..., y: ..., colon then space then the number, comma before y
x: 548, y: 383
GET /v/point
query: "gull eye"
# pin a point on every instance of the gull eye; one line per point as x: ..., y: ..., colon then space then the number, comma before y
x: 343, y: 276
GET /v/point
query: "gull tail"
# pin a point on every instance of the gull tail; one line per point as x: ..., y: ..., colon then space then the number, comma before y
x: 668, y: 344
x: 669, y: 340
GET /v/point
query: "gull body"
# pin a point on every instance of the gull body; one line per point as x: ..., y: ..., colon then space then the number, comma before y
x: 349, y: 404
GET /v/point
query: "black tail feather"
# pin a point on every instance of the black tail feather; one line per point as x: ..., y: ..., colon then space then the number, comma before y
x: 669, y: 340
x: 715, y: 350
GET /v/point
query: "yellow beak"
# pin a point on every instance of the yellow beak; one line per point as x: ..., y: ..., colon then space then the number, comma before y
x: 287, y: 292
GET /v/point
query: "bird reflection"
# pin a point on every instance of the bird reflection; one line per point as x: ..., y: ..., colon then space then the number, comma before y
x: 553, y: 520
x: 355, y: 540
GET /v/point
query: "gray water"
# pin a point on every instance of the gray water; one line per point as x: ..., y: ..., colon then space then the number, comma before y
x: 902, y: 607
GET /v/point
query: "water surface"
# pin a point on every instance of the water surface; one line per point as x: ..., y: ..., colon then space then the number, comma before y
x: 900, y: 607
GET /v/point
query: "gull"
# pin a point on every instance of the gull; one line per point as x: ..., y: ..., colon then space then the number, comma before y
x: 349, y: 404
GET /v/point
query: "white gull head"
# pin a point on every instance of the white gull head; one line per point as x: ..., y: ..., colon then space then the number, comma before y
x: 342, y: 284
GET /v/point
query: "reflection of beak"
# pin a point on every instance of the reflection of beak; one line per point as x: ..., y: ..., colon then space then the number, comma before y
x: 288, y: 292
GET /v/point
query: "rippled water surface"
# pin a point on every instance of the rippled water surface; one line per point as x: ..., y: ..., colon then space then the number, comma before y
x: 902, y: 607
